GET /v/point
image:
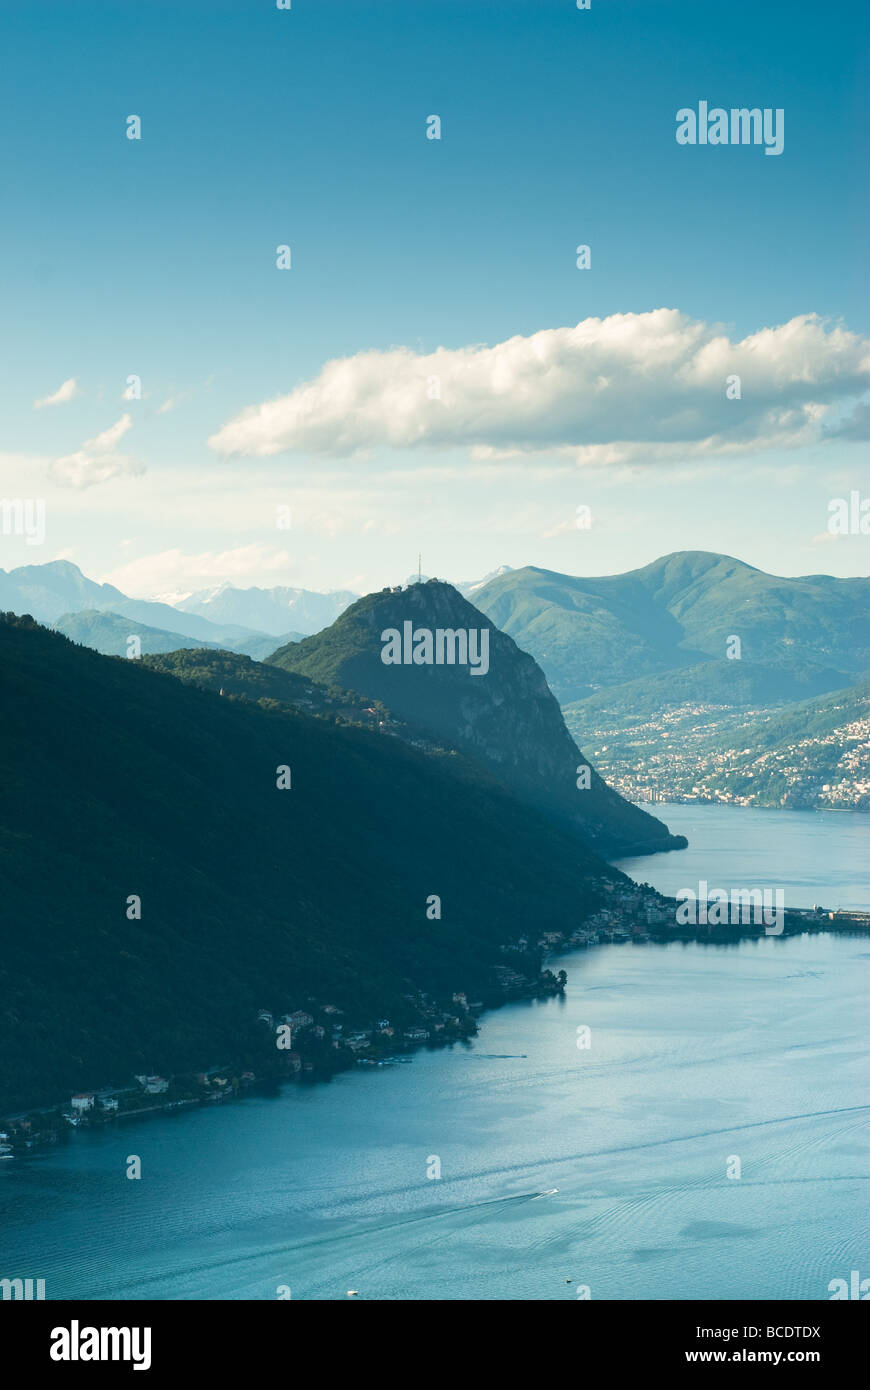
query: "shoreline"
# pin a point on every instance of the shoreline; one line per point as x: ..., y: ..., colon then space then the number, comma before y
x: 27, y: 1139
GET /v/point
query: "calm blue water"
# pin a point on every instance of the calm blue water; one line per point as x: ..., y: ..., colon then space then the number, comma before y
x: 700, y: 1055
x: 816, y: 856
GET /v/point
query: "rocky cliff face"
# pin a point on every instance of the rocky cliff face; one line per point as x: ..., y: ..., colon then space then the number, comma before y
x: 503, y: 715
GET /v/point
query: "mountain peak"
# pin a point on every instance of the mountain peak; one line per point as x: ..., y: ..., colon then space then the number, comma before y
x: 275, y: 611
x: 590, y: 632
x: 444, y: 668
x: 699, y: 561
x: 64, y: 569
x: 470, y: 586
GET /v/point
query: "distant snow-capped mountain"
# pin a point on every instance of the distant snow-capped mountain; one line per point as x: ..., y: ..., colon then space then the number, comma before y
x: 54, y: 590
x: 468, y: 586
x: 243, y: 620
x: 274, y: 611
x: 173, y: 597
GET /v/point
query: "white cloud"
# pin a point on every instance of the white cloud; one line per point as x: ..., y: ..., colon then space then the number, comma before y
x: 562, y: 528
x: 19, y: 471
x: 172, y: 400
x: 97, y: 460
x: 611, y: 390
x: 173, y: 570
x: 67, y: 392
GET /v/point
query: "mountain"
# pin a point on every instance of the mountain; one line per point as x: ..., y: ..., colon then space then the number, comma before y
x: 239, y: 677
x: 186, y: 624
x: 723, y: 684
x: 251, y: 896
x: 261, y: 647
x: 676, y: 612
x: 471, y: 586
x: 109, y: 633
x: 49, y: 591
x: 272, y: 611
x: 810, y: 753
x: 506, y: 719
x: 57, y: 589
x: 815, y: 753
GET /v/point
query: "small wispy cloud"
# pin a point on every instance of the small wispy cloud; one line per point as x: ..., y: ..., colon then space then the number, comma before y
x: 97, y: 460
x: 67, y: 392
x: 562, y: 528
x: 172, y: 400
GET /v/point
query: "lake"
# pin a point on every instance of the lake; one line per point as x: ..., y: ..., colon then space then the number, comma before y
x: 704, y: 1061
x: 816, y: 856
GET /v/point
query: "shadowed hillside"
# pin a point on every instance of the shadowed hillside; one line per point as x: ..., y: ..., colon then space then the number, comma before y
x: 120, y: 780
x: 506, y: 719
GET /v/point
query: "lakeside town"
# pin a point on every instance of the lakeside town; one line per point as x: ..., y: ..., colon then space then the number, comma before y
x: 678, y: 756
x: 316, y: 1042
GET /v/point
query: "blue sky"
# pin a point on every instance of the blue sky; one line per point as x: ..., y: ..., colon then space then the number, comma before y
x: 307, y: 127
